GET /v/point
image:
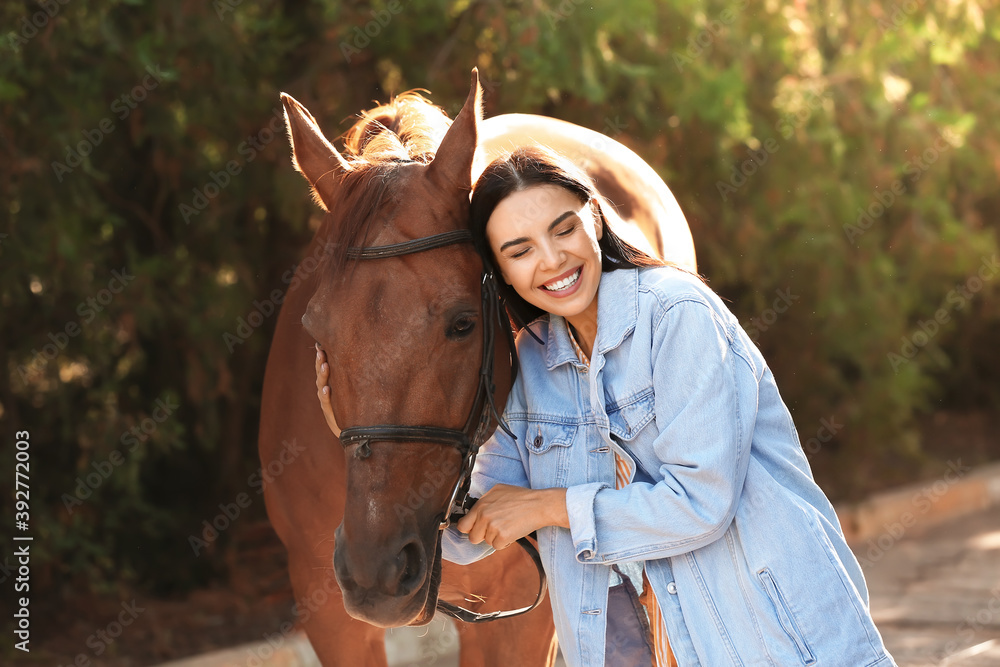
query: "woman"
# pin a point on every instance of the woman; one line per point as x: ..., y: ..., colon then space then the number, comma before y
x: 676, y: 513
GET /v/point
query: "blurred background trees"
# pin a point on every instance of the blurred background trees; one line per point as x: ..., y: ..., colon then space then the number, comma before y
x: 837, y: 161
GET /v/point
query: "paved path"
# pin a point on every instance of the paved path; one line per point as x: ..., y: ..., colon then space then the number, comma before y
x: 935, y: 596
x: 935, y: 593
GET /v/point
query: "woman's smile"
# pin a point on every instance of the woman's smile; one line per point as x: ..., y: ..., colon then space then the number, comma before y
x: 565, y: 284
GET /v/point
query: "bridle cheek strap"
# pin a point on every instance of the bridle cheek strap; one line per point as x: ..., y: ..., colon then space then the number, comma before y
x: 471, y: 437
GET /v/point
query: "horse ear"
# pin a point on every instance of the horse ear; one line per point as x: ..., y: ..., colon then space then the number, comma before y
x: 452, y: 165
x: 313, y: 156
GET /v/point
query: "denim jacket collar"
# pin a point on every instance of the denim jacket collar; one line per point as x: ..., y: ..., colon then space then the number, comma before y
x: 617, y: 312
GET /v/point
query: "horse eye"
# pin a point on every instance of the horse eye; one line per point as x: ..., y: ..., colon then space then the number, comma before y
x: 461, y: 327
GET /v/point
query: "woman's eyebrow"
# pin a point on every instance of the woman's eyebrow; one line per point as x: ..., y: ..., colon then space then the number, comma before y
x: 525, y: 239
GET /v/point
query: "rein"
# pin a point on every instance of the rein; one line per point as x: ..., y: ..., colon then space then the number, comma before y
x: 471, y: 437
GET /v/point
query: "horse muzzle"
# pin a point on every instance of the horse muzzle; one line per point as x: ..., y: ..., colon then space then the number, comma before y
x: 384, y: 585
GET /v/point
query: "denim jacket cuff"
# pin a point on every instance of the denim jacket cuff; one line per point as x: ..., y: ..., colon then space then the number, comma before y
x: 582, y: 524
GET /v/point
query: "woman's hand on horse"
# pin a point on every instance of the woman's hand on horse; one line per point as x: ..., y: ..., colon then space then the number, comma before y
x: 323, y: 390
x: 506, y: 513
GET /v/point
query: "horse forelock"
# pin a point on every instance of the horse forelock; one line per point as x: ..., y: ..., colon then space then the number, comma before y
x: 384, y: 139
x: 409, y: 127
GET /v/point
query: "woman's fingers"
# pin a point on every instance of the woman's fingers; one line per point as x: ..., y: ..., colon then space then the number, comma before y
x: 506, y: 513
x: 483, y: 526
x: 322, y: 375
x: 496, y: 539
x: 475, y: 524
x: 469, y: 524
x: 323, y: 390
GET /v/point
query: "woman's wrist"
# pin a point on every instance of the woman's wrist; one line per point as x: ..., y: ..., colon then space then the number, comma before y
x: 555, y: 507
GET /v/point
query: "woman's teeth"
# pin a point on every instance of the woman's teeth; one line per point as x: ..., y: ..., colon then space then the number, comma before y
x: 565, y: 283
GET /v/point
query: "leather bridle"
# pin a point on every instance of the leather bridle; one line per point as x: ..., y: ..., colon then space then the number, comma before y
x: 471, y: 437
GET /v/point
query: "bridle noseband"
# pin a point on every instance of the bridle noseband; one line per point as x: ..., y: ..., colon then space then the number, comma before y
x: 471, y: 437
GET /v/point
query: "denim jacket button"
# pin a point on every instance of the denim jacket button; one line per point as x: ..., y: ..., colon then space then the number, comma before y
x: 672, y: 588
x: 538, y: 441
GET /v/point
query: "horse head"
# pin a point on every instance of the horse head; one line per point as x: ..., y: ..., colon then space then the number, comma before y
x: 404, y: 336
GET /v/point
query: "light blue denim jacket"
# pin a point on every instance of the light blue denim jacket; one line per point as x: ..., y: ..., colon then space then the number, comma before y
x: 742, y: 548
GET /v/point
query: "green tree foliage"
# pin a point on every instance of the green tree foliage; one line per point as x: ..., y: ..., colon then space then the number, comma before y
x: 837, y: 163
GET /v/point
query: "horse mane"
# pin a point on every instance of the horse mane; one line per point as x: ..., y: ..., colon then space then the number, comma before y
x: 408, y: 129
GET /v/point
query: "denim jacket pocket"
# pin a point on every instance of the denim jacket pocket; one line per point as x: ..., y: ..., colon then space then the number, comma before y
x: 542, y: 436
x: 626, y: 420
x: 785, y: 617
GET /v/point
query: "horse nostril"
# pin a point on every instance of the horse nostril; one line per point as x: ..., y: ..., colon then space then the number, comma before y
x: 342, y: 573
x: 406, y: 573
x: 414, y: 564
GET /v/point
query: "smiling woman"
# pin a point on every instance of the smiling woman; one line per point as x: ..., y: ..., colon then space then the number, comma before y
x: 676, y: 513
x: 529, y: 209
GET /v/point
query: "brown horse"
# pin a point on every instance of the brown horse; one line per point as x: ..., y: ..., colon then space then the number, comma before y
x: 403, y: 337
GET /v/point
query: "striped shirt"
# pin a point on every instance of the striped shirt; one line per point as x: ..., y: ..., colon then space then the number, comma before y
x: 624, y: 471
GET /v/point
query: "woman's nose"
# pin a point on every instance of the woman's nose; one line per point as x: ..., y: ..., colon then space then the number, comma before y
x: 551, y: 257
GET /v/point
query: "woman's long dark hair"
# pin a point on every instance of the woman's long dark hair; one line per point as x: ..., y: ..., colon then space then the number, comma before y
x: 527, y: 167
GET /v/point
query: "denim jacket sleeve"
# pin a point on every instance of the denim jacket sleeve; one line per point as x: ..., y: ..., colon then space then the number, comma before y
x: 705, y: 403
x: 498, y: 462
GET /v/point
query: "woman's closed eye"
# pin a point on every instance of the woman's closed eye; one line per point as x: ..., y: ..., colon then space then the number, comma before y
x: 566, y: 231
x: 519, y: 253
